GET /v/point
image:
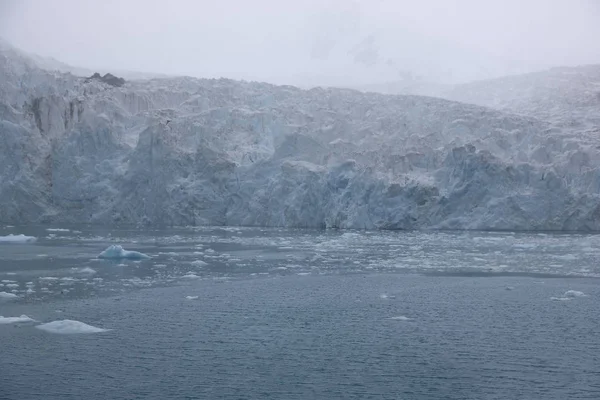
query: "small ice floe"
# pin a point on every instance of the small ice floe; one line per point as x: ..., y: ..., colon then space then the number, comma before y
x: 116, y: 252
x: 199, y: 263
x: 400, y: 318
x: 68, y: 327
x: 14, y: 320
x: 84, y: 270
x: 190, y: 275
x: 17, y: 239
x: 574, y: 293
x: 191, y: 297
x: 509, y: 288
x: 8, y: 296
x: 386, y: 296
x: 569, y: 295
x: 57, y: 230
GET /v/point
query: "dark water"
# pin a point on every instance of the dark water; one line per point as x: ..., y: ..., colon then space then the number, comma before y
x: 303, y: 315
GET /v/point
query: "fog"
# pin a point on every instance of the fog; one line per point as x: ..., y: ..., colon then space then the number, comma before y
x: 310, y: 42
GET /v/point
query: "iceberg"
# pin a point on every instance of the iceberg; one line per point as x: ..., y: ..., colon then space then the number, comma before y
x: 17, y: 239
x: 116, y: 252
x: 8, y: 296
x: 68, y: 327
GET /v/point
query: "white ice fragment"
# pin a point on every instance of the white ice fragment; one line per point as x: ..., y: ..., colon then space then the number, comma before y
x: 57, y: 230
x: 68, y: 326
x: 117, y: 252
x: 199, y: 263
x: 191, y: 297
x: 7, y: 296
x: 84, y: 270
x: 13, y: 320
x: 401, y: 318
x: 17, y: 239
x: 573, y: 293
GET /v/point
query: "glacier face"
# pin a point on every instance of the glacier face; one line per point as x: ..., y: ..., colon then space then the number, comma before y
x: 184, y: 151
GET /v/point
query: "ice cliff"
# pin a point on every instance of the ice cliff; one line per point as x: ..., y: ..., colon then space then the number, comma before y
x: 184, y: 151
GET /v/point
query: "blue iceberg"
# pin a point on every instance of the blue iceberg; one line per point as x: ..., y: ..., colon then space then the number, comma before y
x: 115, y: 252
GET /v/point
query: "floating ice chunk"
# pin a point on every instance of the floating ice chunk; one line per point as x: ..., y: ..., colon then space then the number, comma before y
x: 7, y: 296
x: 57, y: 230
x: 17, y: 239
x: 386, y: 296
x: 573, y: 293
x: 12, y: 285
x: 67, y: 327
x: 84, y: 270
x: 190, y: 275
x: 561, y: 298
x: 191, y: 297
x: 13, y: 320
x: 401, y: 318
x: 509, y: 288
x: 117, y: 252
x: 30, y: 291
x: 199, y: 263
x: 48, y: 278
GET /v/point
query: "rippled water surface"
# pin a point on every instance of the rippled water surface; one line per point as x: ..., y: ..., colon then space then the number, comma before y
x: 228, y: 313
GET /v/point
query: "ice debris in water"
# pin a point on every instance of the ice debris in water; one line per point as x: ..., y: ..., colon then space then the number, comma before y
x: 401, y: 318
x: 190, y: 275
x: 569, y: 295
x: 13, y: 320
x: 191, y: 297
x: 68, y: 327
x: 199, y: 263
x: 8, y: 296
x: 116, y: 251
x: 84, y: 270
x: 573, y: 293
x: 57, y: 230
x: 17, y: 239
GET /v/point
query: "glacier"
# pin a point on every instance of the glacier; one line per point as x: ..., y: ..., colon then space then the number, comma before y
x: 177, y: 151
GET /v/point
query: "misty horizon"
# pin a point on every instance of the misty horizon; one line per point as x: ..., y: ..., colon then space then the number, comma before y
x: 330, y: 43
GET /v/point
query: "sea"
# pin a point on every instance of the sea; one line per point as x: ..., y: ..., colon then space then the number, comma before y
x: 252, y: 313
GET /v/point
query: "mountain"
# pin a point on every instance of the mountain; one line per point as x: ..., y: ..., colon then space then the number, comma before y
x: 186, y: 151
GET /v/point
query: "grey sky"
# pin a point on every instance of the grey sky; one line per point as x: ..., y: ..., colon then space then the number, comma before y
x: 310, y: 41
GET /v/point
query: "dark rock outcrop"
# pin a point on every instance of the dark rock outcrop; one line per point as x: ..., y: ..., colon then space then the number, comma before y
x: 109, y: 79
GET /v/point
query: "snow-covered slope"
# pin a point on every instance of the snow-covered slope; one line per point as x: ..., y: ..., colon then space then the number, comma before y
x: 568, y: 97
x: 186, y: 151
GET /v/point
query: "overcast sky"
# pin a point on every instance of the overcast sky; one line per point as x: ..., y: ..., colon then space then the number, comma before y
x: 310, y: 41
